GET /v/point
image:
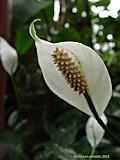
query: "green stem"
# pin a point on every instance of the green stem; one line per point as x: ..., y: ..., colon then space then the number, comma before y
x: 93, y: 110
x: 93, y: 148
x: 15, y: 91
x: 92, y: 152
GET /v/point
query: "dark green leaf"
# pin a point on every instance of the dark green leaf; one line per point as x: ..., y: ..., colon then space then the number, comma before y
x: 102, y: 3
x: 23, y: 41
x: 23, y: 10
x: 59, y: 152
x: 64, y: 136
x: 69, y: 34
x: 15, y: 141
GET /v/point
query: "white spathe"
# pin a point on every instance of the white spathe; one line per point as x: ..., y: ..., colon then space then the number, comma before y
x: 94, y: 132
x: 8, y: 57
x: 97, y: 76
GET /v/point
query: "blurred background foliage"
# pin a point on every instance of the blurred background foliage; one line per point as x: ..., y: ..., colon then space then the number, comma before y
x: 44, y: 127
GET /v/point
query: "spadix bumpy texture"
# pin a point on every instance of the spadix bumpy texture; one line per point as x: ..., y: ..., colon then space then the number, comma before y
x: 8, y: 57
x: 70, y: 71
x: 90, y: 67
x: 94, y: 132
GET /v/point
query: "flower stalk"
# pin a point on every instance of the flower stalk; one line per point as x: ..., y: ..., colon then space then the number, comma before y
x: 15, y: 91
x: 92, y: 153
x: 99, y: 120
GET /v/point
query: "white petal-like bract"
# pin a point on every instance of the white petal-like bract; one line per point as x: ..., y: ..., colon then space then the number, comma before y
x: 8, y: 57
x: 96, y: 74
x: 93, y: 67
x: 94, y: 132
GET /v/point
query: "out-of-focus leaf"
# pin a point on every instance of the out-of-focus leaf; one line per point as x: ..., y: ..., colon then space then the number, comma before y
x: 46, y: 14
x: 23, y: 10
x: 80, y: 5
x: 102, y: 3
x: 112, y: 151
x: 113, y: 106
x: 108, y: 58
x: 13, y: 118
x: 60, y: 152
x: 82, y: 146
x: 108, y: 23
x: 64, y: 136
x: 15, y: 141
x: 68, y: 34
x: 23, y: 41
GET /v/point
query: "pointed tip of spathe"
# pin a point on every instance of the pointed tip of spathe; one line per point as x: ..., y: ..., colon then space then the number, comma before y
x: 32, y: 30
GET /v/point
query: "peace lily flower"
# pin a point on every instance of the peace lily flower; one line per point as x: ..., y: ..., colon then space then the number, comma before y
x: 71, y: 69
x: 94, y: 132
x: 8, y: 57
